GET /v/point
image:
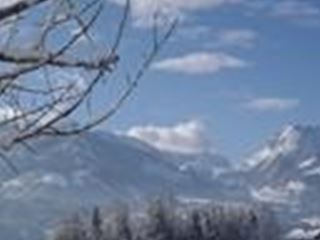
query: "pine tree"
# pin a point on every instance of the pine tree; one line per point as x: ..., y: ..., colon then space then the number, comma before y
x: 160, y: 225
x: 123, y: 230
x: 195, y: 229
x: 96, y: 224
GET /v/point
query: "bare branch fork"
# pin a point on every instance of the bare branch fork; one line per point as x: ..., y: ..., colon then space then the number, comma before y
x: 38, y: 101
x: 18, y: 8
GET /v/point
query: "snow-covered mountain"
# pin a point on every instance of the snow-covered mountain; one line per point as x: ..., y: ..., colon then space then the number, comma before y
x: 205, y: 165
x: 286, y: 172
x: 62, y: 175
x: 66, y: 174
x: 294, y: 153
x: 291, y: 158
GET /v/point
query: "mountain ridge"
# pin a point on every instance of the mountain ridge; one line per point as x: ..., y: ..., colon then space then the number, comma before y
x: 70, y: 173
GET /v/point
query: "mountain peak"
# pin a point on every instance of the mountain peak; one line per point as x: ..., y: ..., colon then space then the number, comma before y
x: 298, y: 136
x: 298, y: 129
x: 294, y: 140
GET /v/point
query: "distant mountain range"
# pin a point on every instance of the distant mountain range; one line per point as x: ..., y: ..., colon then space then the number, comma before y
x: 63, y: 175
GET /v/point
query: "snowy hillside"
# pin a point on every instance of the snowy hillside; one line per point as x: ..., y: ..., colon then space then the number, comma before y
x: 295, y: 153
x: 286, y: 173
x: 67, y: 174
x: 205, y: 165
x: 61, y: 176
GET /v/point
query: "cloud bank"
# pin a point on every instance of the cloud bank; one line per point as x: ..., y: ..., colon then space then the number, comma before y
x: 185, y: 137
x: 238, y: 37
x: 272, y: 104
x: 200, y: 63
x: 295, y: 9
x: 143, y: 10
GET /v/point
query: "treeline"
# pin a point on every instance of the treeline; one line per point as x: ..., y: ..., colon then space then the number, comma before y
x: 169, y: 220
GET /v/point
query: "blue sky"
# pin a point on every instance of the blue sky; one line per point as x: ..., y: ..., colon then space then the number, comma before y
x: 234, y: 73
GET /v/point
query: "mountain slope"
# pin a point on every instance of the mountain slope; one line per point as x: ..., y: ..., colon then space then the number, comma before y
x: 67, y: 174
x: 286, y: 173
x: 292, y: 154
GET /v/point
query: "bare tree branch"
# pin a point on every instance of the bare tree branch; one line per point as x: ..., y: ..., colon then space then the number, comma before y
x: 49, y: 77
x: 18, y: 8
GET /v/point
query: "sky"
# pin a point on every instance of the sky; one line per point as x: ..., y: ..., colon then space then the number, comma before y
x: 234, y: 73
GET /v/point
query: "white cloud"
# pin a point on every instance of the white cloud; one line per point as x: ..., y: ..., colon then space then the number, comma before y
x: 233, y: 37
x: 200, y: 63
x: 295, y: 9
x: 193, y: 32
x: 305, y: 12
x: 272, y: 104
x: 186, y: 137
x: 143, y: 10
x: 238, y: 37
